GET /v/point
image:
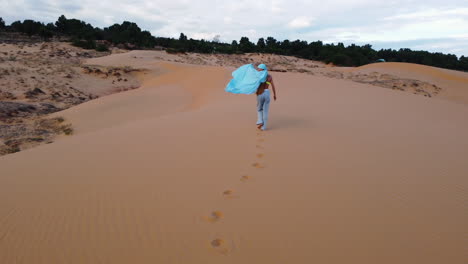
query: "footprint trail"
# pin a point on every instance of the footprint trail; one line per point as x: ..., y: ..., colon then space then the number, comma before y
x: 219, y: 244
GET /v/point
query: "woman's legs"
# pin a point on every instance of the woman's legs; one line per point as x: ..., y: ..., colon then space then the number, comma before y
x: 266, y: 108
x: 263, y: 105
x: 260, y: 109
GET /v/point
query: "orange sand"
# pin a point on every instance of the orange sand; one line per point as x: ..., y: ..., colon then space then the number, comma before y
x: 348, y: 173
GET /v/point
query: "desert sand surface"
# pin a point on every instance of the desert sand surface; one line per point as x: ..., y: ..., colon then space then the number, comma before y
x: 175, y: 172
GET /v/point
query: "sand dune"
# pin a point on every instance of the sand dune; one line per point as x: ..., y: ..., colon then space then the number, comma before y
x: 454, y: 83
x: 175, y: 172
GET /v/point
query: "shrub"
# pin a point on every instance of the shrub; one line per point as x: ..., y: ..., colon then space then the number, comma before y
x: 67, y: 130
x: 174, y: 51
x: 101, y: 47
x: 85, y: 44
x: 342, y: 60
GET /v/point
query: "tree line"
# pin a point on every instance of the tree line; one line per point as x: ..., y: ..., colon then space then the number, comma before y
x: 84, y: 35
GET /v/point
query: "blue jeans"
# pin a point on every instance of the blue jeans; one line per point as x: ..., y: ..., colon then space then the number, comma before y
x: 263, y: 104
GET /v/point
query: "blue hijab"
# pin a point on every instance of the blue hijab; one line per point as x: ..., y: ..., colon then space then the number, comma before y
x: 246, y: 79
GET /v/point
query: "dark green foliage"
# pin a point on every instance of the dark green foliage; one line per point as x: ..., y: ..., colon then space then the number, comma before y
x: 101, y: 47
x: 173, y: 51
x: 272, y: 45
x: 182, y: 37
x: 341, y: 59
x: 31, y: 27
x: 75, y: 28
x: 261, y: 45
x: 129, y: 35
x: 16, y: 26
x: 245, y: 45
x: 85, y: 44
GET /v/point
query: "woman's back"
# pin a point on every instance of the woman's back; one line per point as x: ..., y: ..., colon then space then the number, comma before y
x: 264, y: 85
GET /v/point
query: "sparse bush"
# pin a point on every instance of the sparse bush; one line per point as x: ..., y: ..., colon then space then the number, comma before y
x: 101, y: 47
x: 67, y: 130
x: 174, y: 51
x: 341, y: 60
x: 36, y: 139
x: 12, y: 150
x: 85, y: 44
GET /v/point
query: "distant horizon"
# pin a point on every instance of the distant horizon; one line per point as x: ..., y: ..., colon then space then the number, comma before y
x: 434, y: 27
x: 376, y: 47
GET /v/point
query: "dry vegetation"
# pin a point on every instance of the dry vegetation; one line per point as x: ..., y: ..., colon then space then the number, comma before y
x: 23, y: 135
x: 388, y: 81
x: 37, y: 79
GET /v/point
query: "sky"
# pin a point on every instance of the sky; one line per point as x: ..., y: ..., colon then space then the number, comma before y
x: 433, y: 25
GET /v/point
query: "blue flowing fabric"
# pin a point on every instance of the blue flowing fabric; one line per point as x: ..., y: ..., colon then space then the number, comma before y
x: 246, y: 80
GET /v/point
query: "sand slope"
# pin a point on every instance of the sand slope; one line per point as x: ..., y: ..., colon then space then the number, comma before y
x: 454, y: 83
x: 174, y: 172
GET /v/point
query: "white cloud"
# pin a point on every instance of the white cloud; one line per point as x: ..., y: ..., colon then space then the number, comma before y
x: 227, y: 20
x: 252, y: 33
x: 429, y: 14
x: 277, y: 7
x: 203, y: 35
x: 336, y: 20
x: 300, y: 22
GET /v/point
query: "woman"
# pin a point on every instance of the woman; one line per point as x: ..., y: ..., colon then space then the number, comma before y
x: 263, y: 99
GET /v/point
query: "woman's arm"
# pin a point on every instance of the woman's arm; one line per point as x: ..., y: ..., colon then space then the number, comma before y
x: 273, y: 87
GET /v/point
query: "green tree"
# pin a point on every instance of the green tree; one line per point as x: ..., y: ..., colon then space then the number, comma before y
x: 61, y: 24
x: 31, y: 27
x: 182, y: 37
x: 45, y: 33
x: 17, y: 26
x: 341, y: 60
x: 271, y: 45
x: 245, y: 45
x: 261, y: 45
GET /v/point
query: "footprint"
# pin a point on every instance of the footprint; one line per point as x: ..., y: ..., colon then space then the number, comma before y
x: 245, y: 178
x: 220, y: 246
x: 258, y: 165
x: 260, y: 155
x: 229, y: 194
x: 214, y: 217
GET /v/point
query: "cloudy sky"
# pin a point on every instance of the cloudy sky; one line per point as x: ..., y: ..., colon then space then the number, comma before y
x: 434, y: 25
